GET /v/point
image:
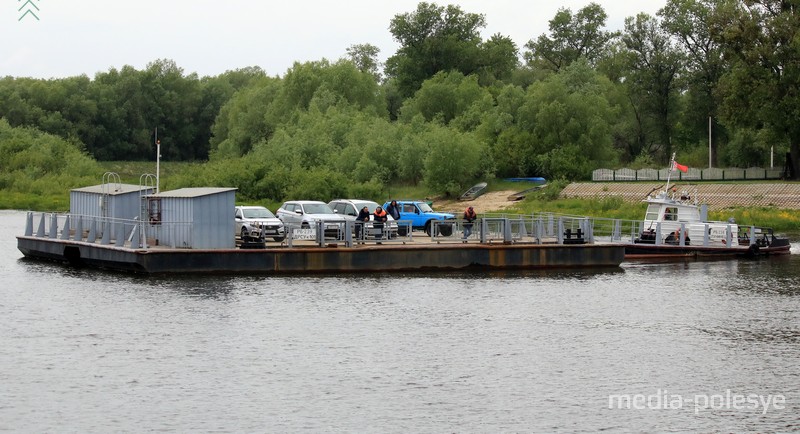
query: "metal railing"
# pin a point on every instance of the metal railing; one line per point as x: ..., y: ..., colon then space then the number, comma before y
x: 131, y: 233
x: 324, y: 233
x: 539, y: 228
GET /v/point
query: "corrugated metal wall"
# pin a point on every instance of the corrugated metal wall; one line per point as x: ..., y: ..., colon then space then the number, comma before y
x: 202, y: 222
x: 176, y: 222
x: 213, y: 218
x: 84, y: 203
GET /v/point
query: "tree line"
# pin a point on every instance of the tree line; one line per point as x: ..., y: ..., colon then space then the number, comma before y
x: 449, y: 107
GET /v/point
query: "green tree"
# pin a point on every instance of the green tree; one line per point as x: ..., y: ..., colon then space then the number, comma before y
x: 242, y: 120
x: 689, y: 21
x: 498, y: 60
x: 452, y: 161
x: 760, y: 91
x: 432, y: 39
x: 365, y: 57
x: 445, y: 97
x: 653, y: 65
x: 571, y: 120
x: 176, y: 103
x: 34, y: 162
x: 571, y: 37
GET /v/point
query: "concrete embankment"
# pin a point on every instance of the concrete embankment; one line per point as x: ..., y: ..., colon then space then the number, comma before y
x: 717, y: 196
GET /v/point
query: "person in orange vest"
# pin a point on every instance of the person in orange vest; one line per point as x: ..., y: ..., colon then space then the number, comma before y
x: 379, y: 217
x: 469, y: 218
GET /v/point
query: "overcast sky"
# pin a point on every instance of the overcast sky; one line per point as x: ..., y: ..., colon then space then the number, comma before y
x: 209, y: 37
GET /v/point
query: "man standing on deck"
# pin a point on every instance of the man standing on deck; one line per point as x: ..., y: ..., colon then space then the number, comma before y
x: 469, y: 218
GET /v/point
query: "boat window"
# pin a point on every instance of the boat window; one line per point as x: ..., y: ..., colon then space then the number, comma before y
x: 671, y: 214
x: 652, y: 213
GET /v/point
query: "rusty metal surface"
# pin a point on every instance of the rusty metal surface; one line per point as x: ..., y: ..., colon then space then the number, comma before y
x: 370, y: 258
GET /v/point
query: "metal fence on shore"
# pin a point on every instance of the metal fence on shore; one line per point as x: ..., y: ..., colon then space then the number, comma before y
x: 692, y: 174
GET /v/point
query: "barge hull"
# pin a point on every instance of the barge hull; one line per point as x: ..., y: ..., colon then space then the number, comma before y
x: 650, y: 251
x: 321, y: 259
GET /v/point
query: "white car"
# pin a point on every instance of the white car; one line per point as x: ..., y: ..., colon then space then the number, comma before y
x: 306, y: 214
x: 257, y: 222
x: 349, y: 209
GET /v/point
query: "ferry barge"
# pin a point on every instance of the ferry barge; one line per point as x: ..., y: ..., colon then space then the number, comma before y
x: 138, y: 229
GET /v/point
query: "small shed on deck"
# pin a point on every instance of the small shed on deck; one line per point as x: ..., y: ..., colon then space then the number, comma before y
x: 112, y: 200
x: 196, y: 218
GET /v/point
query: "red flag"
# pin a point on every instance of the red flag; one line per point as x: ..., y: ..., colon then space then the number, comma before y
x: 680, y: 167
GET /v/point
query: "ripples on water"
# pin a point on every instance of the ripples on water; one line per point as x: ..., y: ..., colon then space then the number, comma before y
x: 84, y: 350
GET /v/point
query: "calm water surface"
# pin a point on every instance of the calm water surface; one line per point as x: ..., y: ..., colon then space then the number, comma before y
x: 90, y: 351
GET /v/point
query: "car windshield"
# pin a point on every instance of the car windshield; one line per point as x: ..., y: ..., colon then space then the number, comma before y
x: 257, y: 213
x: 317, y: 208
x: 424, y: 207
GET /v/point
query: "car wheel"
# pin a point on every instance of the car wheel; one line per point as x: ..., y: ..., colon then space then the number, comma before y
x: 279, y: 239
x: 428, y: 227
x: 446, y: 229
x: 244, y: 233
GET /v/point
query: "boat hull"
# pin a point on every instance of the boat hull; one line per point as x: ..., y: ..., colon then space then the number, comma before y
x: 377, y: 258
x: 666, y: 251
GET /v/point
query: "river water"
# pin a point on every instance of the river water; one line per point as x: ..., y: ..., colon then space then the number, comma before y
x: 698, y: 346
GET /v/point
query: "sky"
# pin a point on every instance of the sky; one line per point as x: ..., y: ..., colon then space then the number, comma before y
x: 57, y: 38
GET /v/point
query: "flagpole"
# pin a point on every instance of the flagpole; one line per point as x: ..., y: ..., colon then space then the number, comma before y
x: 669, y: 172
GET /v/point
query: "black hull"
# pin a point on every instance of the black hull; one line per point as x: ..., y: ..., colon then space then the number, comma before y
x: 667, y: 251
x: 323, y: 260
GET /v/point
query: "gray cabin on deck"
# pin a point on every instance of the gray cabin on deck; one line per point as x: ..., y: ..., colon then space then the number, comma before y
x: 195, y: 218
x: 112, y: 200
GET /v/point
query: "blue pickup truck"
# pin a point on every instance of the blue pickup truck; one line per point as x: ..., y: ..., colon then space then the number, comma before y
x: 421, y: 214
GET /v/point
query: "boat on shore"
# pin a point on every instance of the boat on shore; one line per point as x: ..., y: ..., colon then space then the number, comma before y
x: 474, y: 191
x: 676, y: 226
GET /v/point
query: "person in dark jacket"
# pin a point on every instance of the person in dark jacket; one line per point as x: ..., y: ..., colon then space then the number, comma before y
x: 469, y: 219
x: 394, y: 210
x: 361, y: 220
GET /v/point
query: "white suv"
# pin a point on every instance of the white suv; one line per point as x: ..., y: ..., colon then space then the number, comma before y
x: 306, y: 214
x: 257, y: 222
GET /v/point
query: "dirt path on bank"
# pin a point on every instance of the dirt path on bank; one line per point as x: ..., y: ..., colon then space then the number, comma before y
x: 487, y: 202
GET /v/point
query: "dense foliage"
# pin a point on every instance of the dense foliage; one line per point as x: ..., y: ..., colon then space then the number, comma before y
x: 448, y: 109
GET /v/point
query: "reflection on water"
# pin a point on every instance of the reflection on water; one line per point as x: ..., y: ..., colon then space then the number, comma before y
x: 88, y: 350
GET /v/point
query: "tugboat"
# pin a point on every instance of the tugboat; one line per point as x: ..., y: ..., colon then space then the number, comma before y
x: 675, y: 226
